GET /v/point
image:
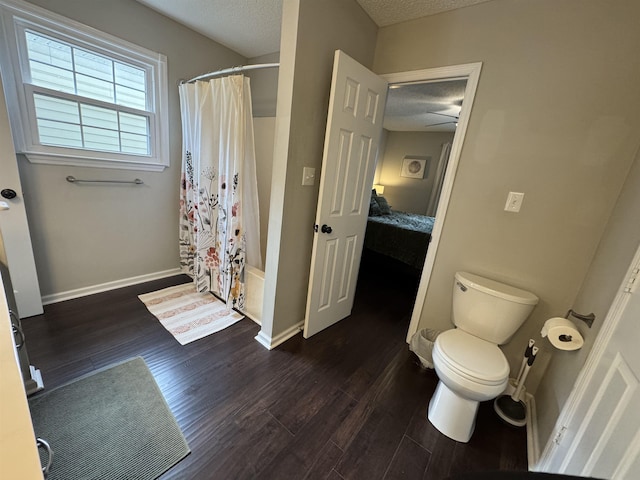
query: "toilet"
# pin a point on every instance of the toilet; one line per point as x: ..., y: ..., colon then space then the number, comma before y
x: 470, y: 366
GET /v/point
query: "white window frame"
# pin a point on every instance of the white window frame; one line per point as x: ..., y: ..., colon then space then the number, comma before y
x: 15, y: 17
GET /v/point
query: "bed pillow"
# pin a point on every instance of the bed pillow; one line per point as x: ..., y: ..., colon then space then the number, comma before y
x: 374, y: 208
x: 385, y: 209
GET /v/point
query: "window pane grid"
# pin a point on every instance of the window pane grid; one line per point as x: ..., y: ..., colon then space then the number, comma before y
x: 70, y: 123
x: 58, y: 66
x: 60, y: 134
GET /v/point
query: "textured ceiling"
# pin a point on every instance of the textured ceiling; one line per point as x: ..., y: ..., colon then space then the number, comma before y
x: 249, y: 27
x: 386, y: 12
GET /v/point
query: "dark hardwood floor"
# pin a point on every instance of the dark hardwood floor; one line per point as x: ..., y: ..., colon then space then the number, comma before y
x: 348, y: 403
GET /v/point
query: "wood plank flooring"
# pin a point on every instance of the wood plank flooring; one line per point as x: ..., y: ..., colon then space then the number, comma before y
x: 349, y: 403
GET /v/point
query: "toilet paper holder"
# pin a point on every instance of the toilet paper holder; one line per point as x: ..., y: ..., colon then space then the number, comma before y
x: 588, y: 319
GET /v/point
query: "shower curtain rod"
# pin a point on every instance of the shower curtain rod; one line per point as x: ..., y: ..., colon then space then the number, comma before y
x: 238, y: 69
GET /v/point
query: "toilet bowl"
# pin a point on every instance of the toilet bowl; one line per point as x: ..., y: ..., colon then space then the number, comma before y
x: 471, y: 370
x: 469, y: 364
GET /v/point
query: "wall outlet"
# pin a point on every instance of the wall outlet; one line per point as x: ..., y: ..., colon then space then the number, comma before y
x: 514, y: 202
x: 308, y: 176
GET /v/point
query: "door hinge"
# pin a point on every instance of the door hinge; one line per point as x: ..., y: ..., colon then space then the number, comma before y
x: 632, y: 281
x: 558, y: 438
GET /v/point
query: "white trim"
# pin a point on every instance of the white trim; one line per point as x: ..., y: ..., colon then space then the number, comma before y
x: 270, y: 343
x: 585, y: 376
x: 533, y: 450
x: 103, y: 287
x: 470, y: 71
x: 83, y: 161
x: 264, y: 339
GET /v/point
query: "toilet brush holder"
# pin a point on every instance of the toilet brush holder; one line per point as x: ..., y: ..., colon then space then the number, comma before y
x: 512, y: 387
x: 509, y: 406
x: 511, y: 411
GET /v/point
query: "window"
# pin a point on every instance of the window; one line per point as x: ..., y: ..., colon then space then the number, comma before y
x: 82, y: 97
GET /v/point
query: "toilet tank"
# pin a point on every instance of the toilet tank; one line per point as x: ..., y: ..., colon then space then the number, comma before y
x: 488, y: 309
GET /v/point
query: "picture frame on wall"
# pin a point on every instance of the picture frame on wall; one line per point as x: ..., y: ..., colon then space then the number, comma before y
x: 414, y: 166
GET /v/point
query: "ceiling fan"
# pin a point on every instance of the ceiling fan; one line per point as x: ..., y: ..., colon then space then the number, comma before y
x: 455, y: 119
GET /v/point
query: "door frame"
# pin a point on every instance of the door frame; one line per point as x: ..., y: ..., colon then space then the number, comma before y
x: 470, y: 72
x: 570, y: 408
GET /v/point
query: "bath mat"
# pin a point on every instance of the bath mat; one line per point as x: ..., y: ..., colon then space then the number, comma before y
x: 110, y: 424
x: 189, y: 315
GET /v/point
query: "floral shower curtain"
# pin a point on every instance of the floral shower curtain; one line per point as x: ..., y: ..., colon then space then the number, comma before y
x: 219, y: 223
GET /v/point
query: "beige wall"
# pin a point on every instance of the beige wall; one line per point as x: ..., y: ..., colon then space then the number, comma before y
x: 264, y: 129
x: 264, y: 86
x: 311, y: 32
x: 555, y: 116
x: 606, y: 273
x: 403, y: 193
x: 88, y: 235
x: 264, y: 93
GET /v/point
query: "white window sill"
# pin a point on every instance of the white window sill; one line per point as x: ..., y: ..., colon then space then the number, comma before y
x: 47, y: 159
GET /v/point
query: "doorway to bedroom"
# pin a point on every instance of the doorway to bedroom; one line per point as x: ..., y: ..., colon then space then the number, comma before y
x: 424, y: 128
x: 419, y: 127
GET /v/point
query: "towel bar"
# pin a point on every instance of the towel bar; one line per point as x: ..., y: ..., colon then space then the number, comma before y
x: 72, y: 179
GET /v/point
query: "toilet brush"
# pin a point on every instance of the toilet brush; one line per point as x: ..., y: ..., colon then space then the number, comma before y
x: 509, y: 407
x: 527, y: 354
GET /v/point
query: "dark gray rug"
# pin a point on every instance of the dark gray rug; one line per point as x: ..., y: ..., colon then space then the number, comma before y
x: 110, y: 424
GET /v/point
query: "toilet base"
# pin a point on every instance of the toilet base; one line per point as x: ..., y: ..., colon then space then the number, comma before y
x: 451, y: 414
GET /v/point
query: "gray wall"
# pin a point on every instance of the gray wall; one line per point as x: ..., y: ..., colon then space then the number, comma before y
x: 88, y: 235
x: 606, y: 273
x: 264, y: 94
x: 264, y: 86
x: 555, y: 116
x: 403, y: 193
x: 311, y: 32
x: 264, y: 129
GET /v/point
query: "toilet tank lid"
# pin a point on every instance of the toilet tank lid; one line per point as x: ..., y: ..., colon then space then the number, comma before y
x: 496, y: 289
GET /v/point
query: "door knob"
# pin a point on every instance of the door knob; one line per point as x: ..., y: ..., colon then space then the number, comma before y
x: 8, y: 193
x: 326, y: 229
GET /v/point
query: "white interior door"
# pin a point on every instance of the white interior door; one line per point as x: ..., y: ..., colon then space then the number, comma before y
x: 601, y: 435
x: 354, y: 125
x: 13, y: 224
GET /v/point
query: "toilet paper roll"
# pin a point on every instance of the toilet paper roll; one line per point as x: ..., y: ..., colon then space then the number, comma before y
x: 562, y: 334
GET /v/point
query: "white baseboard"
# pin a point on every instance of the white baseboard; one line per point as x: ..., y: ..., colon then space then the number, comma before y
x: 103, y: 287
x: 270, y: 343
x: 533, y: 447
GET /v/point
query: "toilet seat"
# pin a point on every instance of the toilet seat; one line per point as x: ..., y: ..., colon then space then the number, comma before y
x: 472, y: 358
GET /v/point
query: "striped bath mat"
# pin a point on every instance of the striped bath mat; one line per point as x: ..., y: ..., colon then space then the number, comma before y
x: 189, y: 315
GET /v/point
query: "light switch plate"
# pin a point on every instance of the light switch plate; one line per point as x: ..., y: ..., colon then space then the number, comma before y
x: 308, y: 176
x: 514, y: 202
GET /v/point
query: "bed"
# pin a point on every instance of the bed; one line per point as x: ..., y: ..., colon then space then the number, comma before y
x: 400, y: 235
